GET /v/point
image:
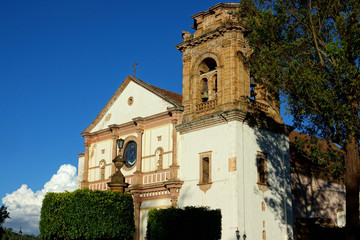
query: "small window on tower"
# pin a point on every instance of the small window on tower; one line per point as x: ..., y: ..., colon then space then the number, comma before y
x: 262, y: 171
x: 205, y: 171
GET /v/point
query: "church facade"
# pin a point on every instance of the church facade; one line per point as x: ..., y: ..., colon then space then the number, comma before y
x: 215, y: 145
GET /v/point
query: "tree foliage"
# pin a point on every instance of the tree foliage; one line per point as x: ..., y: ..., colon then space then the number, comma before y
x: 188, y: 223
x: 309, y: 49
x: 86, y: 214
x: 4, y: 214
x: 9, y: 234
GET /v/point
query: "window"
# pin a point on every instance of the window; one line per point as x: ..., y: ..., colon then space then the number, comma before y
x: 340, y: 215
x: 262, y: 171
x: 205, y: 168
x: 130, y: 153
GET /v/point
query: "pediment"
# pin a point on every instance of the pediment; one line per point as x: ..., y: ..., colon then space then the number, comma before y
x: 134, y: 98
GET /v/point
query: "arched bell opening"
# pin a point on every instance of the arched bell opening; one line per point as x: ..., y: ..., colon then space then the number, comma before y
x: 207, y: 65
x: 208, y: 80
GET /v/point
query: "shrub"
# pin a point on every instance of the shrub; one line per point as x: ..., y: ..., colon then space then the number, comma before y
x: 188, y: 223
x: 86, y: 214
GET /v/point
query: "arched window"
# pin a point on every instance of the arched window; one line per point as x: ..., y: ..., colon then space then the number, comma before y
x: 130, y: 153
x: 207, y: 65
x: 208, y: 79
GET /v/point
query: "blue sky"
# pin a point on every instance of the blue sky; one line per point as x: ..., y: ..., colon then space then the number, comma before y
x: 61, y: 61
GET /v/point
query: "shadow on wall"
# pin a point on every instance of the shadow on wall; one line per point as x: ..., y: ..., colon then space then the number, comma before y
x: 276, y: 193
x: 311, y: 196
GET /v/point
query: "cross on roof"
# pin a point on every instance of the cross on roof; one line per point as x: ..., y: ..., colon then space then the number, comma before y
x: 134, y: 65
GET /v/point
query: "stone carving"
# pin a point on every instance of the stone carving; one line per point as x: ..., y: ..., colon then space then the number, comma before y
x: 117, y: 182
x: 186, y: 35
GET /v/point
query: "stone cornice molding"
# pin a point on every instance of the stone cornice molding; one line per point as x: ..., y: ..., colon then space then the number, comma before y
x: 265, y: 122
x: 139, y: 122
x: 120, y: 127
x: 251, y: 118
x: 216, y: 118
x: 213, y: 8
x: 208, y: 36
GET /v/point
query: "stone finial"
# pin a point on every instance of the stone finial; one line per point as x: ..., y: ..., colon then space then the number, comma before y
x: 186, y: 35
x: 117, y: 182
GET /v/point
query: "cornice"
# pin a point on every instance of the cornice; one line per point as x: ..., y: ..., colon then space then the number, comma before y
x: 214, y: 119
x: 208, y: 36
x: 213, y: 8
x: 132, y: 124
x: 256, y: 120
x: 262, y: 121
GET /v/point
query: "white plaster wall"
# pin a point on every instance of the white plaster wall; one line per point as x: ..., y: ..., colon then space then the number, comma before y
x: 151, y: 143
x: 236, y: 193
x: 145, y: 104
x: 277, y: 214
x: 145, y: 207
x: 81, y: 170
x: 96, y: 155
x: 222, y: 194
x: 317, y: 198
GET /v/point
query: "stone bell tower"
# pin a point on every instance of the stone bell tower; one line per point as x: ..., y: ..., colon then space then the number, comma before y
x: 233, y: 148
x: 214, y: 76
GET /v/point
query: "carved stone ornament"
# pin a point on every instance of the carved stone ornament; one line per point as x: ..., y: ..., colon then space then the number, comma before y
x: 117, y: 182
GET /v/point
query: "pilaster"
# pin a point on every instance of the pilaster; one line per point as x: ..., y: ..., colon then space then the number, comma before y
x: 85, y: 181
x: 174, y: 166
x: 137, y: 205
x: 138, y: 172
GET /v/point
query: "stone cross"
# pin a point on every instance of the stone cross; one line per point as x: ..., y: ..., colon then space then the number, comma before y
x: 134, y: 65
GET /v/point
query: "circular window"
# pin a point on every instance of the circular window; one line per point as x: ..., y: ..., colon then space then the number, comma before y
x: 130, y: 154
x: 130, y: 101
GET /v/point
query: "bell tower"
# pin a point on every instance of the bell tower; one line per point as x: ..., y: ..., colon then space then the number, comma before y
x: 215, y: 79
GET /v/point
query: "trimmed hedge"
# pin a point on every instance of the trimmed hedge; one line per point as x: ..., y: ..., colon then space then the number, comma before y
x: 188, y: 223
x: 86, y: 214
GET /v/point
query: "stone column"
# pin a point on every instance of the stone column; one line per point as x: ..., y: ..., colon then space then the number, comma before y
x: 85, y: 181
x: 137, y: 205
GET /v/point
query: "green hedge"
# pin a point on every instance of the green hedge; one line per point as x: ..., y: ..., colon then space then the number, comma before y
x: 188, y: 223
x: 86, y: 214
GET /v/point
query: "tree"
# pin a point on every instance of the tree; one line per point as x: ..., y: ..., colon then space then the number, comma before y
x: 309, y: 50
x: 4, y: 214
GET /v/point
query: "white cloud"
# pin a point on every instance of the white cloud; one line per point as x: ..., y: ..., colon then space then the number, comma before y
x: 24, y: 204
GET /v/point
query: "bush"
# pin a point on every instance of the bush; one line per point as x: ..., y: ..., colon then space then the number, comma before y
x: 188, y: 223
x: 86, y: 214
